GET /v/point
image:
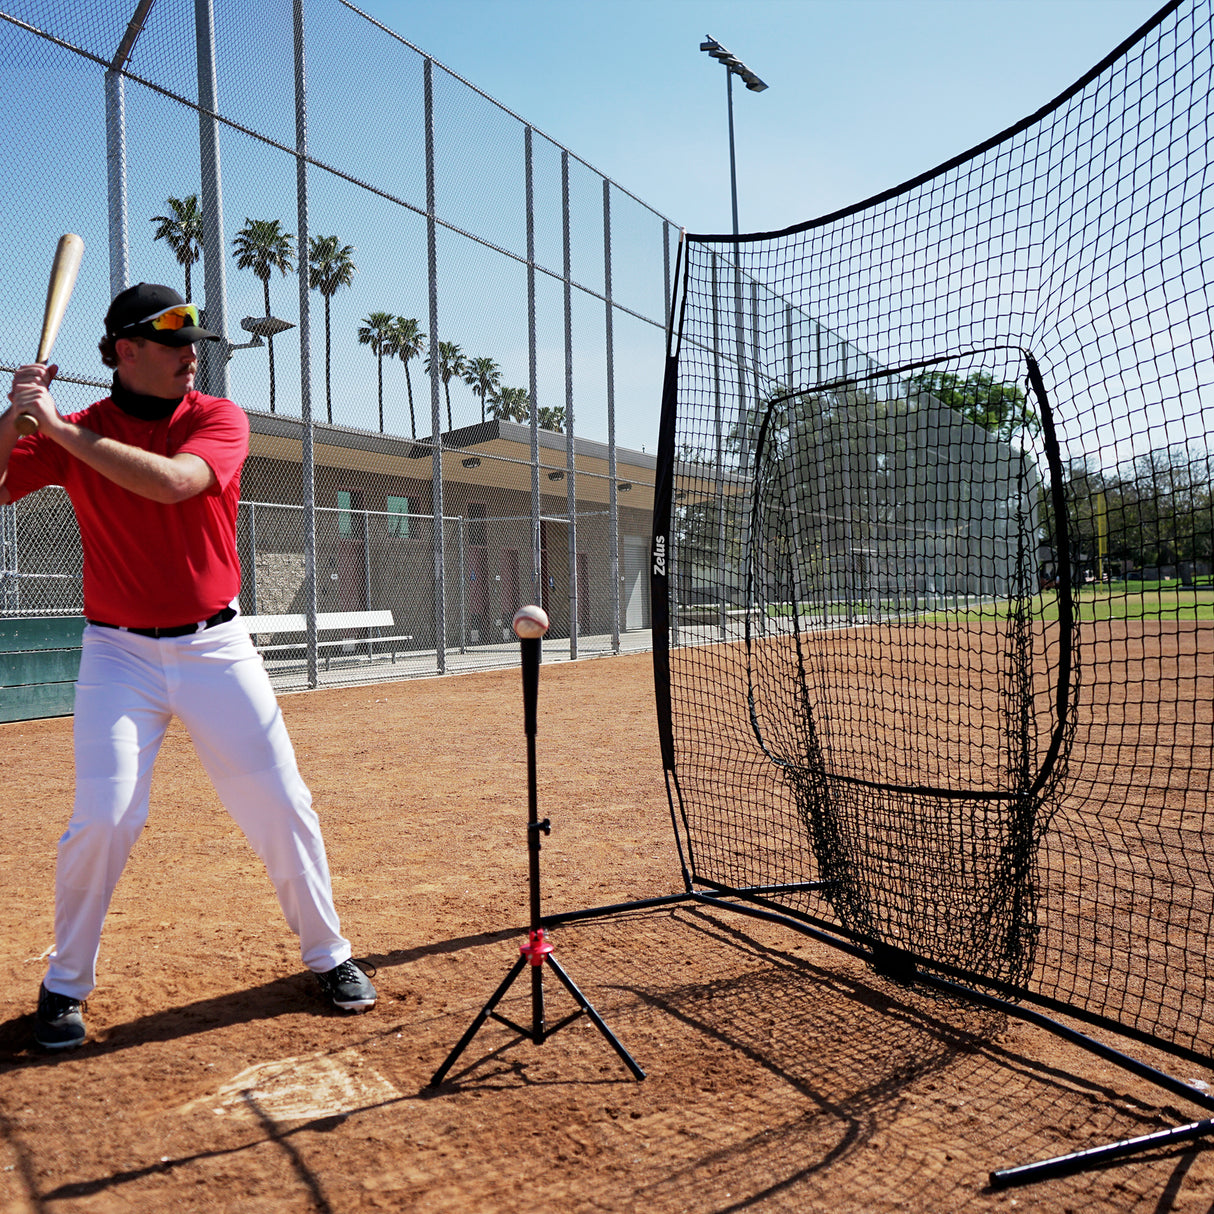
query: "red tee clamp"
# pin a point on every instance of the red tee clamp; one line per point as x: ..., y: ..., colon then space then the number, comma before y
x: 536, y: 948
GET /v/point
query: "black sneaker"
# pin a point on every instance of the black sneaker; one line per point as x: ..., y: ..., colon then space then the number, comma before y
x: 348, y: 987
x: 59, y: 1024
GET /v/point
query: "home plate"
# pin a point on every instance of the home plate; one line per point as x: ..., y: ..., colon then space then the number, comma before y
x: 299, y: 1089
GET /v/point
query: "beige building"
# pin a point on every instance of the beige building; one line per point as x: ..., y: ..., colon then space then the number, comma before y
x: 375, y: 541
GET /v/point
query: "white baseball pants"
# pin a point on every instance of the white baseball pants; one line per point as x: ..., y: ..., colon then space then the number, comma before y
x: 128, y: 690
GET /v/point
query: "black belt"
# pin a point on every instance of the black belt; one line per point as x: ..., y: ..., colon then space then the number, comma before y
x: 181, y: 630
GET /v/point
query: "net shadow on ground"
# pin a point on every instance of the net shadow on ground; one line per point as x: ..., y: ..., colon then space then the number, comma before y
x: 782, y: 1076
x: 814, y: 1080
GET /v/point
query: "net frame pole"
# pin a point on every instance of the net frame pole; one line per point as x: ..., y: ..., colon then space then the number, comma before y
x: 1095, y: 1157
x: 671, y: 545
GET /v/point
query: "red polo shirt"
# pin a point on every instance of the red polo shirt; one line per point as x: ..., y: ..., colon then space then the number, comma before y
x: 148, y: 565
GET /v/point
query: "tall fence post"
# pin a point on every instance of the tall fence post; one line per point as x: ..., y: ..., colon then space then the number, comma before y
x: 575, y: 619
x: 11, y: 572
x: 213, y: 363
x: 249, y: 577
x: 463, y: 589
x: 436, y: 417
x: 115, y: 149
x: 612, y: 490
x: 718, y: 445
x: 305, y: 345
x: 115, y: 159
x: 537, y: 572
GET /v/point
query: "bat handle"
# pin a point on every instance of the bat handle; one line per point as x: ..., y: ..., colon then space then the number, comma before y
x: 27, y: 423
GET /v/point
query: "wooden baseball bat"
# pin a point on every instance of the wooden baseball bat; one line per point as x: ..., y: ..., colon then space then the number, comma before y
x: 64, y: 269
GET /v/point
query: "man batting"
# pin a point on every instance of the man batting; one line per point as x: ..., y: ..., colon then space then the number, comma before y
x: 153, y: 473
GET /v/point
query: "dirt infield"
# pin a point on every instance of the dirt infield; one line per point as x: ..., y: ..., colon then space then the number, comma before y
x: 782, y: 1075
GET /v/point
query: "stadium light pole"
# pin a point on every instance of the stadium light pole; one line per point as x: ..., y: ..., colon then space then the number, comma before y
x: 733, y: 66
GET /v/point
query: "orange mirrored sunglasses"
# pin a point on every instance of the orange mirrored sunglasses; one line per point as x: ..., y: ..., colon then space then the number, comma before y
x: 171, y: 319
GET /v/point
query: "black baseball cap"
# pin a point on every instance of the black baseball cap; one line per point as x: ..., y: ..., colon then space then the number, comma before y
x: 157, y: 313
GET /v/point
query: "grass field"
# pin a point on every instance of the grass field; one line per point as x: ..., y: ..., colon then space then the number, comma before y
x: 1167, y: 600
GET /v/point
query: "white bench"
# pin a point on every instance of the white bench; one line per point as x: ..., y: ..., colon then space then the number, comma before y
x: 326, y: 621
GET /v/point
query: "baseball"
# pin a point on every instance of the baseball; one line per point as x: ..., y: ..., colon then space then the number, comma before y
x: 530, y: 622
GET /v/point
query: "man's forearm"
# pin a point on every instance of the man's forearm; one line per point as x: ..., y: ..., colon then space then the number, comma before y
x: 159, y: 478
x: 156, y: 477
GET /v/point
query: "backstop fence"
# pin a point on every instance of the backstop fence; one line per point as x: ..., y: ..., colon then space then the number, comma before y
x: 445, y: 328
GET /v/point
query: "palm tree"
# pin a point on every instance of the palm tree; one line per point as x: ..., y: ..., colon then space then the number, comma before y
x: 182, y: 228
x: 330, y: 267
x: 511, y: 405
x: 263, y: 247
x: 552, y: 417
x: 451, y: 363
x: 409, y: 342
x: 484, y: 377
x: 376, y: 331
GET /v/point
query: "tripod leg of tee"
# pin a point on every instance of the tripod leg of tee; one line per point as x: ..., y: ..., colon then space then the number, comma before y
x: 587, y: 1007
x: 475, y: 1026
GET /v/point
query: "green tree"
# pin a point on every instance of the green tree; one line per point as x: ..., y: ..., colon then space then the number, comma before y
x: 263, y: 247
x: 484, y: 377
x: 511, y: 405
x: 996, y: 406
x: 330, y: 267
x: 378, y: 331
x: 552, y: 417
x: 451, y: 364
x: 182, y: 228
x: 409, y: 341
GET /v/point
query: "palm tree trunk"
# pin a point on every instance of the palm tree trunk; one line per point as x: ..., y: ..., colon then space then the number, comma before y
x: 270, y: 342
x: 379, y: 354
x: 328, y: 389
x: 187, y: 282
x: 409, y: 385
x: 447, y: 390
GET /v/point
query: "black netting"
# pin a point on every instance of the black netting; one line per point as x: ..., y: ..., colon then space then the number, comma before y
x: 933, y: 581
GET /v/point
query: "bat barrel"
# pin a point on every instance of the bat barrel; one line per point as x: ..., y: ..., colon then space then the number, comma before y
x: 64, y: 269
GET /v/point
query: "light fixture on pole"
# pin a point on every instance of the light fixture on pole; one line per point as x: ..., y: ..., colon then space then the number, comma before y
x: 732, y: 66
x: 261, y: 327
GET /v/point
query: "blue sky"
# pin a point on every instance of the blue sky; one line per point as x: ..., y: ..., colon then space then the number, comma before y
x: 863, y: 94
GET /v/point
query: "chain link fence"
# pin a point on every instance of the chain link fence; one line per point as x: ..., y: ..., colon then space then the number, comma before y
x: 447, y: 329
